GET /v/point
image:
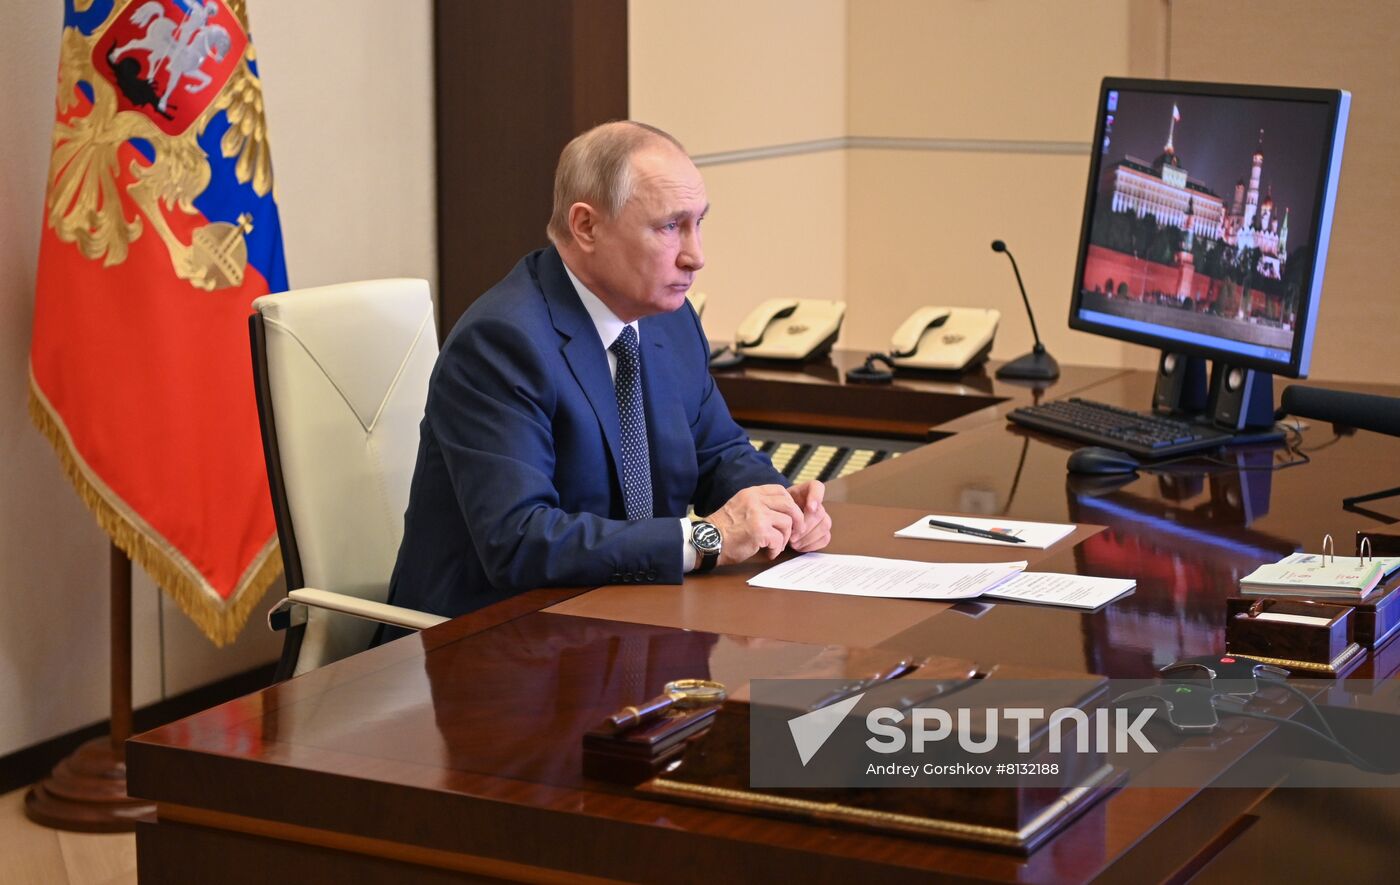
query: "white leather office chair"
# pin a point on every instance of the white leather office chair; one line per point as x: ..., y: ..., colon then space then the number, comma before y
x: 341, y: 374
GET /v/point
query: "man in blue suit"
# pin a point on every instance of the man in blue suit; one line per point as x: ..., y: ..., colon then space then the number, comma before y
x: 571, y: 416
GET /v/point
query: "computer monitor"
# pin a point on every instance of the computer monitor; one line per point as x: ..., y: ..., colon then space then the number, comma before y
x: 1206, y: 225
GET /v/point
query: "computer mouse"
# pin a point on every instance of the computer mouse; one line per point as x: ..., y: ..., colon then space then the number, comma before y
x: 1100, y: 460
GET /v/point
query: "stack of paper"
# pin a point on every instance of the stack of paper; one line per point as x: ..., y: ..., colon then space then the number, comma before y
x: 908, y: 579
x: 1313, y: 575
x: 1075, y: 591
x: 1389, y: 564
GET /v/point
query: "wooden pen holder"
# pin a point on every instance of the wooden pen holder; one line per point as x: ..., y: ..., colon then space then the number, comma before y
x: 634, y: 755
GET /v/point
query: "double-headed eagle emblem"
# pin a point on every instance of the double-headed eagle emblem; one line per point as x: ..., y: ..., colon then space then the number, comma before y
x: 140, y: 90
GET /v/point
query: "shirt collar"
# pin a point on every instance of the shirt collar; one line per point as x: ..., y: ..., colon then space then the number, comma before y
x: 607, y: 323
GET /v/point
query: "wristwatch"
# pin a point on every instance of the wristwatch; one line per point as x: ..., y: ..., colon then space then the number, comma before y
x: 706, y: 540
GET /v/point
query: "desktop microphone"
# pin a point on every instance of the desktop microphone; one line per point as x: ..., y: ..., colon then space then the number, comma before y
x: 1038, y: 365
x: 1362, y: 411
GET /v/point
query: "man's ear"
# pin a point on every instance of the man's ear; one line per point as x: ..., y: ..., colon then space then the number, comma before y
x: 583, y: 226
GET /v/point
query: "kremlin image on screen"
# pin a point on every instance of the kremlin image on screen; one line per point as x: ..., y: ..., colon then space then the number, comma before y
x: 1213, y: 236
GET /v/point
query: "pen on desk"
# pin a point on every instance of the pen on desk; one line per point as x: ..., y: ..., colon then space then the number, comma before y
x: 979, y: 533
x: 901, y: 668
x: 685, y: 694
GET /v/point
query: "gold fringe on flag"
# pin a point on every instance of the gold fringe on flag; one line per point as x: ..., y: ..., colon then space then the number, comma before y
x: 221, y: 621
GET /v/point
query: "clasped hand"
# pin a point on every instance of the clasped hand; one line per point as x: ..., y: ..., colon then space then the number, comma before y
x: 771, y: 518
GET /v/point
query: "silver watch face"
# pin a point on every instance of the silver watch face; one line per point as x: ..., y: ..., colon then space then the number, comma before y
x: 705, y: 537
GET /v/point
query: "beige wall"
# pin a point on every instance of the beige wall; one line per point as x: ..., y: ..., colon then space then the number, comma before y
x: 732, y: 74
x: 999, y: 96
x: 776, y: 228
x: 353, y: 155
x: 350, y: 108
x: 1004, y: 94
x: 880, y: 228
x: 920, y: 228
x: 1009, y: 70
x: 737, y: 75
x: 1349, y: 45
x: 52, y: 557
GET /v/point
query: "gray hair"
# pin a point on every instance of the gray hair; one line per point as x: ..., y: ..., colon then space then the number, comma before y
x: 595, y: 168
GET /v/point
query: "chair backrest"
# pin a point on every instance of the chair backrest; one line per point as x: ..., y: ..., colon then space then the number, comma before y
x: 342, y: 382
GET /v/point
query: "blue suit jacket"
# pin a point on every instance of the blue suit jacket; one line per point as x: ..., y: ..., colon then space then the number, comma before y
x: 517, y: 481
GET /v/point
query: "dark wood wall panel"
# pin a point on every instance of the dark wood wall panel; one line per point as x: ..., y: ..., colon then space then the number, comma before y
x: 515, y: 81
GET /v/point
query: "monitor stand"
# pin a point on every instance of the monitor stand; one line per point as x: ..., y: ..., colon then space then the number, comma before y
x: 1235, y: 399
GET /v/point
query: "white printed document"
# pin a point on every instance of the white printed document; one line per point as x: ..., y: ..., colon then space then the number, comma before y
x: 891, y: 578
x: 1036, y: 535
x: 1076, y: 591
x: 850, y: 575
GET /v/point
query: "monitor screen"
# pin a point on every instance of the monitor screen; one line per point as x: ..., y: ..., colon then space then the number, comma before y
x: 1207, y: 219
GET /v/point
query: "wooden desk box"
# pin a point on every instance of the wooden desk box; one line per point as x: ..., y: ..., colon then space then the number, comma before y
x: 633, y: 756
x: 1294, y: 633
x: 1378, y: 617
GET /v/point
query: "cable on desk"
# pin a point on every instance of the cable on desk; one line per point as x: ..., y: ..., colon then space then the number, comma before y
x: 1311, y: 706
x: 1355, y: 760
x: 1295, y: 448
x: 1336, y: 438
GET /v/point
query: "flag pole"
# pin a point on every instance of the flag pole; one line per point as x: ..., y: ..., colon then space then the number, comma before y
x: 121, y: 651
x: 87, y: 790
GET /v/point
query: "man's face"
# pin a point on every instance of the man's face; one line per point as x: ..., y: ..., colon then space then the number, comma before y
x: 645, y: 259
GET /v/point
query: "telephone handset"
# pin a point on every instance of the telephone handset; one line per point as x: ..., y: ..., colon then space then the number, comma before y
x: 947, y: 339
x: 755, y: 325
x: 790, y: 328
x: 911, y: 331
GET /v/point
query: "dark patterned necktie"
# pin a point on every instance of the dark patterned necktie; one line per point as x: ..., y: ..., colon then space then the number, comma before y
x: 636, y: 459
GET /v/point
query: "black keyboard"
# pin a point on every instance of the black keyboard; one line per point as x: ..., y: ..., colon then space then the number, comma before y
x: 1139, y: 434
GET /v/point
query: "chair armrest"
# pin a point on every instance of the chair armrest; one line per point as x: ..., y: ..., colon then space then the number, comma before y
x: 382, y: 612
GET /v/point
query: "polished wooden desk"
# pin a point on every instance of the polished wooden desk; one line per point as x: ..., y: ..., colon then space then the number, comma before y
x: 456, y: 752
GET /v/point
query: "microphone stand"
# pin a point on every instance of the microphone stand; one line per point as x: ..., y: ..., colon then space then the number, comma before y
x: 1038, y: 365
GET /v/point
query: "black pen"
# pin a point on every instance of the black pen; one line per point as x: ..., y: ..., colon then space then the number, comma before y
x: 850, y: 688
x: 980, y: 533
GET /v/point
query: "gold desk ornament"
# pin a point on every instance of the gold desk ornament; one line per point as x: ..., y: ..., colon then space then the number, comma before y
x: 684, y: 694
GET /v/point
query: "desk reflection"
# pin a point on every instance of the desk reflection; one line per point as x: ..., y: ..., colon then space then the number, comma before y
x: 516, y: 700
x: 1187, y: 548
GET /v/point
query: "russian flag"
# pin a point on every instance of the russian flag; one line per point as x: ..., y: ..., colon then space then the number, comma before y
x: 159, y: 230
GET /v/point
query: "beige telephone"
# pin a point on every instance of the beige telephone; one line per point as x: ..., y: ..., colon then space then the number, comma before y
x: 790, y: 329
x: 947, y: 339
x: 697, y: 301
